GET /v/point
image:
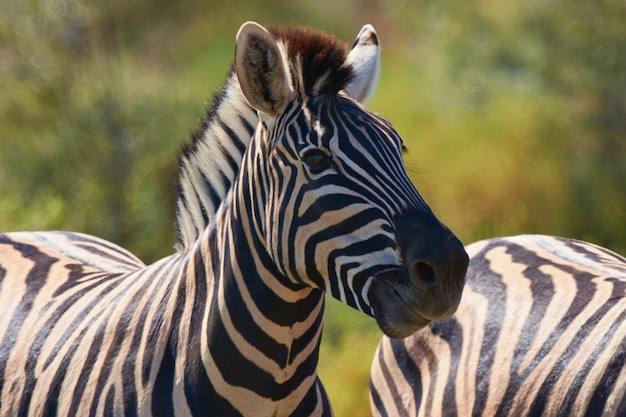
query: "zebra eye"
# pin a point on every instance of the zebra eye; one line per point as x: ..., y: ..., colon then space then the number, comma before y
x: 316, y: 159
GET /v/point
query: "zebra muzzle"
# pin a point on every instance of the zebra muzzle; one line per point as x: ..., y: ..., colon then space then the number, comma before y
x: 428, y: 288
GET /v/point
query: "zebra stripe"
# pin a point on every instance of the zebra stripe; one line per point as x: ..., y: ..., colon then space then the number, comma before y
x: 541, y: 331
x: 230, y: 325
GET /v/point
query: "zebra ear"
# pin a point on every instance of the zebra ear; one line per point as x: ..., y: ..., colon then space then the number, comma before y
x: 365, y: 61
x: 261, y: 69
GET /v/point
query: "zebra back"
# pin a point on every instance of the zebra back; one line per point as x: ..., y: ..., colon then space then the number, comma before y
x: 541, y: 330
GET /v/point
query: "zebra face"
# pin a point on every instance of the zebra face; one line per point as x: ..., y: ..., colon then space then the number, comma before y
x: 339, y: 211
x: 343, y: 216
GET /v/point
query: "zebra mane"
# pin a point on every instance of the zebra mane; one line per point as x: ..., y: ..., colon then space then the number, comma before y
x: 318, y: 60
x: 209, y: 163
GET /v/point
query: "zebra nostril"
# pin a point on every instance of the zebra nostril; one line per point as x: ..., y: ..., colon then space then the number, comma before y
x: 423, y: 273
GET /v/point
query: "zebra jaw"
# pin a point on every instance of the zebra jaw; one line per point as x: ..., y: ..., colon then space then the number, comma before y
x: 394, y: 316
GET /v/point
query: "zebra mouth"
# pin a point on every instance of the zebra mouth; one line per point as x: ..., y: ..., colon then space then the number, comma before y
x: 396, y: 317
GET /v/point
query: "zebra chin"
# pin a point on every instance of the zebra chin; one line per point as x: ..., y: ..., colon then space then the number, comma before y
x: 393, y: 315
x: 401, y: 309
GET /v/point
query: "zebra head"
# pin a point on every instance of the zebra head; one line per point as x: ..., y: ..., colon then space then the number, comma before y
x: 332, y: 200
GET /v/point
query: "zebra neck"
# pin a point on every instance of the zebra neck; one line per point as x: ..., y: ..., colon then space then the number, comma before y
x: 210, y: 162
x: 260, y: 337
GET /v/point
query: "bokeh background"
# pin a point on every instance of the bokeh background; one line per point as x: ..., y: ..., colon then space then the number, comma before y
x: 514, y: 113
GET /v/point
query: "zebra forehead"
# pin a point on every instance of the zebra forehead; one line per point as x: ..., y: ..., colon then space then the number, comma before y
x: 319, y: 59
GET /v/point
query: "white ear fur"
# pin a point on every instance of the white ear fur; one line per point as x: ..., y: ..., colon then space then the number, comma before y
x: 261, y: 70
x: 365, y: 60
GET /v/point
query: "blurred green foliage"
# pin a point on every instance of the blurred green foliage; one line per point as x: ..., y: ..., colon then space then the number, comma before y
x: 514, y: 114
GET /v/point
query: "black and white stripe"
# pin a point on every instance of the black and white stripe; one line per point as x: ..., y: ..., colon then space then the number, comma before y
x: 540, y: 331
x: 230, y: 324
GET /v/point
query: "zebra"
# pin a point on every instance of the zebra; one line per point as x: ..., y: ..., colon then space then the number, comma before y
x: 310, y: 198
x: 540, y: 331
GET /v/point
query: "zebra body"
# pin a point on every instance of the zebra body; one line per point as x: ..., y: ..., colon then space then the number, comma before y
x: 540, y: 331
x: 230, y: 324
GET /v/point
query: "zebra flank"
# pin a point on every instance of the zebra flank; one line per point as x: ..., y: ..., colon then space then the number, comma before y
x: 289, y: 190
x: 540, y: 331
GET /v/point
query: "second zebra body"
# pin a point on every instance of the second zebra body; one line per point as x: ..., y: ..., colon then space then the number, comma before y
x: 540, y: 332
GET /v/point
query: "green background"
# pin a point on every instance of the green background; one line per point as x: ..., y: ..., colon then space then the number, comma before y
x: 514, y: 114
